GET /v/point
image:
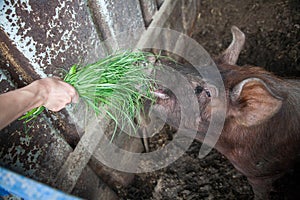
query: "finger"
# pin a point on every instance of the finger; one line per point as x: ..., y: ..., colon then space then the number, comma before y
x: 73, y: 94
x: 56, y: 77
x: 75, y: 98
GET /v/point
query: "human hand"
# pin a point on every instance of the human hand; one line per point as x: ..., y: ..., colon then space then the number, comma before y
x: 55, y: 93
x: 51, y: 93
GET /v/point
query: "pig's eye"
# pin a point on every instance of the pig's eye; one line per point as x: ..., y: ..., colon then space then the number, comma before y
x: 211, y: 91
x: 198, y: 89
x: 208, y: 93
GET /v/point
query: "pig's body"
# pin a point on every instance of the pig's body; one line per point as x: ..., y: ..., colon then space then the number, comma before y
x: 265, y: 151
x: 261, y: 134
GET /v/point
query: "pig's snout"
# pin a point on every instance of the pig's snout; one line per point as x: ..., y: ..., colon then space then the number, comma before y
x: 170, y: 105
x: 160, y: 94
x: 166, y: 99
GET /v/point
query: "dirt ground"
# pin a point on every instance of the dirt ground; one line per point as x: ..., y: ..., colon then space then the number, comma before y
x: 272, y: 41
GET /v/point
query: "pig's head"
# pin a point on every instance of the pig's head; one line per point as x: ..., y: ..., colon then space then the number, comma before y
x: 251, y: 93
x: 168, y: 103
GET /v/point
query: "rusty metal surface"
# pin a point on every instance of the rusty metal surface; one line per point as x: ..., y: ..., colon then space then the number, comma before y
x: 6, y: 83
x: 41, y: 38
x: 14, y: 62
x: 148, y: 7
x: 40, y: 152
x: 115, y: 17
x: 50, y: 34
x: 38, y: 39
x: 37, y: 153
x: 34, y: 150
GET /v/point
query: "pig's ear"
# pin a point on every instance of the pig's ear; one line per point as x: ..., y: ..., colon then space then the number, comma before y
x: 253, y: 102
x: 231, y: 54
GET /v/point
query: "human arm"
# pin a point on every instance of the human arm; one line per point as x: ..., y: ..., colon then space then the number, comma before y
x: 52, y: 93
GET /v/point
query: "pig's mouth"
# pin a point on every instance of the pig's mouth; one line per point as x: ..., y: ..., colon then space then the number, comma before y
x: 165, y: 98
x: 167, y: 103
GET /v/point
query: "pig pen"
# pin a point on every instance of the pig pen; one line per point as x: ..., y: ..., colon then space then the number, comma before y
x: 272, y: 41
x: 272, y: 31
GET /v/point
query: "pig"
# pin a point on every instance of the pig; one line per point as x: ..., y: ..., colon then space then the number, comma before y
x: 261, y: 135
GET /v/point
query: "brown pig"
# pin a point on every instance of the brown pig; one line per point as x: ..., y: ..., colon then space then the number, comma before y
x: 261, y: 133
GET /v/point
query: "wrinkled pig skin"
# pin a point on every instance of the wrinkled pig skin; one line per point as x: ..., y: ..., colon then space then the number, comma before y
x: 261, y: 135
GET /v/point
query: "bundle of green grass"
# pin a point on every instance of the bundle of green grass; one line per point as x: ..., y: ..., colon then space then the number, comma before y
x: 115, y: 84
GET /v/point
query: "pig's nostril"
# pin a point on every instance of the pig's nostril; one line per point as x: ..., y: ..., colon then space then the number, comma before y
x: 208, y: 93
x: 160, y: 95
x: 198, y: 89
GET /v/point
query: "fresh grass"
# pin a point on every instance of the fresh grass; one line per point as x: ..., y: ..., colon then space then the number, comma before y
x: 115, y: 86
